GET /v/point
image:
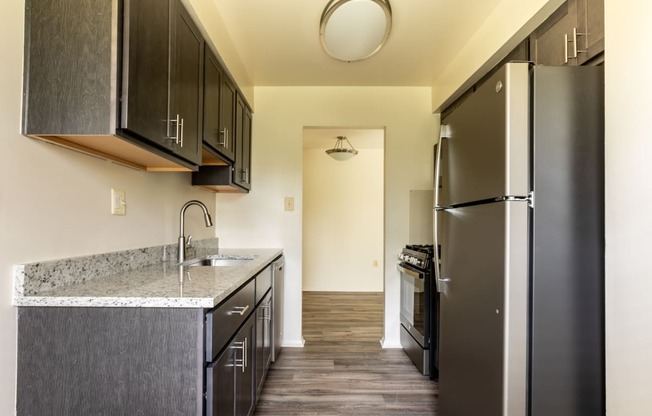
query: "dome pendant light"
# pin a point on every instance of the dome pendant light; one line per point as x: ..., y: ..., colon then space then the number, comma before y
x: 352, y: 30
x: 338, y: 152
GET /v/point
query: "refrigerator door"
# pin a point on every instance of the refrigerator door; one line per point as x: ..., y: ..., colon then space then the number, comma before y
x: 483, y: 315
x: 484, y: 151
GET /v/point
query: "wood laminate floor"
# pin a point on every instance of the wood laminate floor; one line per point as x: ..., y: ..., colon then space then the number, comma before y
x: 342, y: 370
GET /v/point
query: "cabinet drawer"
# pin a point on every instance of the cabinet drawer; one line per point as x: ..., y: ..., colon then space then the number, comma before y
x: 224, y: 321
x: 263, y: 283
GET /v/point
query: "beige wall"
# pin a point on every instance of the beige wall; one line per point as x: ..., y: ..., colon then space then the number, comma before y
x: 55, y: 203
x: 629, y: 207
x: 343, y: 221
x: 258, y: 219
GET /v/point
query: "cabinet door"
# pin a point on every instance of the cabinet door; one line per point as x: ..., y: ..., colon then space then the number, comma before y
x: 214, y: 135
x: 227, y: 113
x: 246, y: 147
x: 241, y: 168
x: 590, y: 28
x: 245, y: 368
x: 186, y: 84
x: 146, y: 68
x: 220, y: 384
x: 551, y: 43
x: 263, y: 341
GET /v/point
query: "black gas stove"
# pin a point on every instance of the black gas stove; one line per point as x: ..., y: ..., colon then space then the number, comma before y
x: 419, y: 307
x: 418, y: 255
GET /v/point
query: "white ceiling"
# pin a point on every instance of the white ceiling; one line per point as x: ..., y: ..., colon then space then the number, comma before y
x: 278, y: 42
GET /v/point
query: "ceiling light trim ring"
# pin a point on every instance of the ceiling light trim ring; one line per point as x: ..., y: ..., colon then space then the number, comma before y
x: 333, y: 6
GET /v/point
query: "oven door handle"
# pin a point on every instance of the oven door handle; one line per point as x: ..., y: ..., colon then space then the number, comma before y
x: 409, y: 272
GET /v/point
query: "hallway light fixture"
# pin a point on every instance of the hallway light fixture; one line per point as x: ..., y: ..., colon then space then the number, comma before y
x: 353, y: 30
x: 339, y: 152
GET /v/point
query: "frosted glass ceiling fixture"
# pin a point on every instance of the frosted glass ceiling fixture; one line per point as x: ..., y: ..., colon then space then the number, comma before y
x: 352, y: 30
x: 339, y: 152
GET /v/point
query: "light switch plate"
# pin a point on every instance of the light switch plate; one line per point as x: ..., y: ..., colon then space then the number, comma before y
x: 118, y: 202
x: 289, y: 203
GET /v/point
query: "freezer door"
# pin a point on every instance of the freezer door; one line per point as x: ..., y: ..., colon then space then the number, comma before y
x: 483, y: 318
x: 485, y: 146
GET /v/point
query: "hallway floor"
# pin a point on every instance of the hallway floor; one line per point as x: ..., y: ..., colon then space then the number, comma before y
x: 342, y: 370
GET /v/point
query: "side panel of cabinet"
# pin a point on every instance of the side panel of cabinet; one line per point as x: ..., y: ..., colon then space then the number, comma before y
x: 146, y: 69
x: 70, y: 46
x: 186, y: 83
x: 109, y: 361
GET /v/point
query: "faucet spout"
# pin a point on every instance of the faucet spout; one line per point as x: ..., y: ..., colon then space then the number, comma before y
x: 182, y: 237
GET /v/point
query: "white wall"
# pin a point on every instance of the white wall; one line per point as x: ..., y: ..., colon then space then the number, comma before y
x: 55, y: 203
x: 629, y: 206
x: 343, y: 221
x: 258, y: 219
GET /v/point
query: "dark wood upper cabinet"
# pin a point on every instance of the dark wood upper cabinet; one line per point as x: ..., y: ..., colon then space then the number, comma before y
x: 236, y: 177
x: 96, y: 77
x: 591, y: 27
x: 572, y: 35
x: 219, y: 96
x: 163, y: 77
x: 243, y: 159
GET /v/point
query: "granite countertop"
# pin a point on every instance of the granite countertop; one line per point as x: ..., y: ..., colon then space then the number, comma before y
x: 136, y: 278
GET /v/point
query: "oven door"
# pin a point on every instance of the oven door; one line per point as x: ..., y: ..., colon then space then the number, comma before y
x: 414, y: 303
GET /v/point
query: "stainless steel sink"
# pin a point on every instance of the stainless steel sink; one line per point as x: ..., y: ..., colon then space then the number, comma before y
x: 215, y: 262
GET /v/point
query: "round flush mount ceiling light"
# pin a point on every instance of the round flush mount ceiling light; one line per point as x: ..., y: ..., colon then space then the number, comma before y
x: 352, y: 30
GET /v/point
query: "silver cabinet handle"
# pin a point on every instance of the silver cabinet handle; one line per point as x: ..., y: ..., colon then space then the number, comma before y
x: 223, y: 134
x: 240, y: 310
x: 267, y: 316
x: 565, y: 48
x: 181, y: 127
x: 240, y: 362
x: 178, y: 125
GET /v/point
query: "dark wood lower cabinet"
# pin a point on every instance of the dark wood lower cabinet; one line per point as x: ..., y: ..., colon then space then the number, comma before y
x: 145, y: 361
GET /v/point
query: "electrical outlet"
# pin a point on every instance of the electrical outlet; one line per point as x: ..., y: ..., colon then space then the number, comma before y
x: 118, y: 202
x: 375, y: 263
x: 289, y: 203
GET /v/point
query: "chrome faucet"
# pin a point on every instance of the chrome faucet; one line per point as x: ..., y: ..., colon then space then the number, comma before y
x: 182, y: 237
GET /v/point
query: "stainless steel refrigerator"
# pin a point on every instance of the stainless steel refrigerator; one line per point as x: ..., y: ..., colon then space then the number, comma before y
x: 519, y: 220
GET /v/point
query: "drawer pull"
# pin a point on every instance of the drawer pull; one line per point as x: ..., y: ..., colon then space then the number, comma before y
x: 240, y: 310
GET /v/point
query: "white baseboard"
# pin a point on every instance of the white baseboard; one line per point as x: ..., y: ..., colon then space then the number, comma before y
x: 299, y: 343
x: 390, y: 344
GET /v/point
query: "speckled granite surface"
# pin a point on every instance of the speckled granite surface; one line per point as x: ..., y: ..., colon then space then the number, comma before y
x: 145, y: 277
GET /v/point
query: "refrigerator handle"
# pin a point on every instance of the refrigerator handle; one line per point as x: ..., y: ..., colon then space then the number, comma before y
x: 443, y: 134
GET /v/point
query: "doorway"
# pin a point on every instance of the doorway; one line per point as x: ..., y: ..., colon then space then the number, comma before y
x: 343, y: 212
